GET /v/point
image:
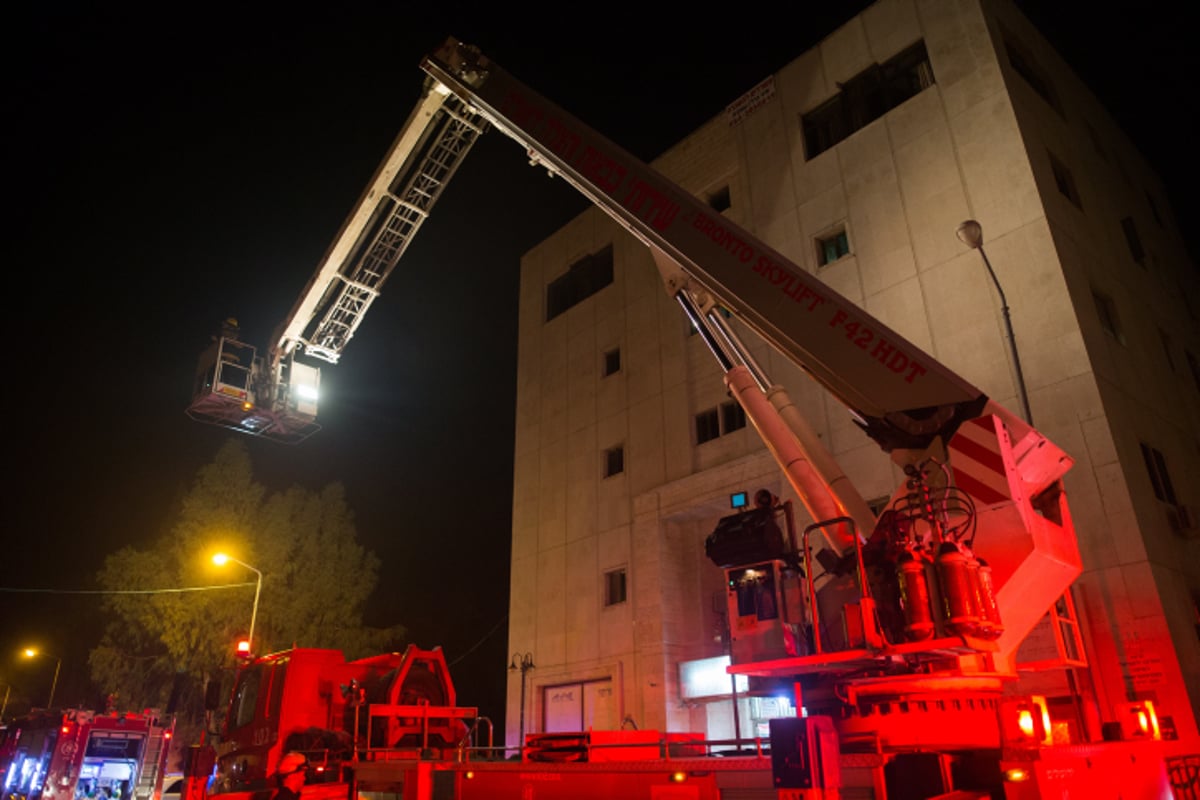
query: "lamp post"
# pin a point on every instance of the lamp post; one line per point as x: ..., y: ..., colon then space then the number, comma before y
x: 971, y: 234
x: 7, y: 689
x: 523, y: 662
x: 219, y: 559
x: 31, y: 652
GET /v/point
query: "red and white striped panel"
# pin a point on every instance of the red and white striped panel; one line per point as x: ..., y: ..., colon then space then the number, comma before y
x: 978, y: 452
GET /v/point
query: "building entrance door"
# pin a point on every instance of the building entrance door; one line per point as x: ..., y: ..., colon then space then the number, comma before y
x: 579, y: 706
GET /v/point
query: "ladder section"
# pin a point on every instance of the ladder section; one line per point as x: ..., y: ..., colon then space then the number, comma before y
x: 398, y: 216
x: 152, y: 759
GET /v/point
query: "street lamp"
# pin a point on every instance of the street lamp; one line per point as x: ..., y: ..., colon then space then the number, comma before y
x: 523, y: 662
x: 971, y: 234
x: 31, y: 652
x: 219, y: 559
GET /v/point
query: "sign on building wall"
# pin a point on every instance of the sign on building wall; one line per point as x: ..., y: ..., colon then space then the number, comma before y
x: 750, y: 102
x: 706, y: 677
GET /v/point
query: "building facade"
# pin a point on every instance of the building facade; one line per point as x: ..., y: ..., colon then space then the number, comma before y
x: 858, y: 161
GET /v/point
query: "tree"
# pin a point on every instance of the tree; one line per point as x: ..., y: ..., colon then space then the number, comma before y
x: 174, y: 622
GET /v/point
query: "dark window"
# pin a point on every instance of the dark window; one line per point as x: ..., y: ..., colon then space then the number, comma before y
x: 1065, y: 181
x: 614, y: 587
x: 1133, y: 240
x: 1194, y: 366
x: 707, y: 426
x: 614, y: 461
x: 866, y: 97
x: 1156, y: 465
x: 755, y: 588
x: 1107, y: 311
x: 733, y: 417
x: 719, y: 200
x: 714, y: 422
x: 832, y: 247
x: 612, y: 361
x: 1024, y: 65
x: 245, y: 696
x: 824, y: 126
x: 585, y: 277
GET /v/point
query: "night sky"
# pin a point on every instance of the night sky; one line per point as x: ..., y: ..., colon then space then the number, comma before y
x: 171, y: 166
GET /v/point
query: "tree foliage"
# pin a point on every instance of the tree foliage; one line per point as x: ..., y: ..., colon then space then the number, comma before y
x: 174, y: 615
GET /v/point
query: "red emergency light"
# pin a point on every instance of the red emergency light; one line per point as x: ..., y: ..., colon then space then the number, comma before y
x: 1141, y: 721
x: 1026, y: 721
x: 243, y: 648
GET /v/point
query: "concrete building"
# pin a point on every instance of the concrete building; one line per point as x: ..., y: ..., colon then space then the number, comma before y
x: 859, y: 160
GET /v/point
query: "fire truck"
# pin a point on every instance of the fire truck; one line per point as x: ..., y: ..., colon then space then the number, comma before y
x: 85, y: 755
x: 897, y: 633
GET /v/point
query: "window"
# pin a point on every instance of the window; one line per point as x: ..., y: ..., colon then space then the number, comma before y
x: 866, y: 97
x: 245, y: 696
x: 755, y: 588
x: 1156, y: 465
x: 583, y: 279
x: 824, y: 127
x: 832, y: 247
x: 612, y: 362
x: 1024, y: 65
x: 614, y: 461
x: 614, y: 587
x: 1065, y: 181
x: 733, y: 417
x: 724, y: 419
x: 1107, y: 311
x: 1133, y: 240
x: 707, y: 426
x: 719, y: 200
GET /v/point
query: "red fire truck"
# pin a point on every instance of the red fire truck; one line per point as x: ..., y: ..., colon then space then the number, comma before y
x: 85, y: 755
x: 903, y: 654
